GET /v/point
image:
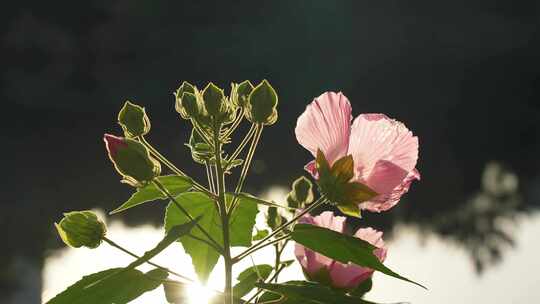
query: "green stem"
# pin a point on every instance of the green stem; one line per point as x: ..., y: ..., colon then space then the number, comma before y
x: 277, y: 259
x: 115, y: 245
x: 247, y: 164
x: 224, y: 219
x: 248, y: 251
x: 210, y: 176
x: 242, y: 144
x: 258, y: 247
x: 236, y: 123
x: 273, y: 277
x: 171, y: 166
x: 188, y: 215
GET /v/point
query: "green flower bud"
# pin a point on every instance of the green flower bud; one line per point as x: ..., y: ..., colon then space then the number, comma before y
x: 133, y: 120
x: 243, y: 90
x: 186, y: 87
x: 302, y: 190
x: 191, y: 108
x: 273, y: 219
x: 131, y: 159
x: 81, y: 228
x: 214, y: 100
x: 262, y: 104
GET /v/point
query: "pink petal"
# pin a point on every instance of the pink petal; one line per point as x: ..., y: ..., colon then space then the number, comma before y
x: 376, y: 137
x: 373, y: 237
x: 312, y: 169
x: 348, y: 275
x: 388, y: 200
x: 385, y: 153
x: 328, y: 220
x: 113, y: 143
x: 325, y: 125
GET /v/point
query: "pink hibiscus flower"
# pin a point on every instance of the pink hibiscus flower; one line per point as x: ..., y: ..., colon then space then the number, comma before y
x: 317, y: 266
x: 384, y: 151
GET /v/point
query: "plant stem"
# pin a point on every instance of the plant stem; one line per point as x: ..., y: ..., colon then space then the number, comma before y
x: 210, y: 176
x: 277, y: 259
x: 273, y: 277
x: 236, y: 123
x: 171, y: 166
x: 115, y: 245
x: 242, y: 144
x: 247, y: 163
x: 188, y: 215
x: 224, y: 219
x: 314, y: 205
x: 258, y: 247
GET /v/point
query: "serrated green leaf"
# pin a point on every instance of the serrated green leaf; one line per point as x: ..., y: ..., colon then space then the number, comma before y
x: 105, y: 288
x: 342, y: 248
x: 249, y: 277
x: 173, y: 183
x: 204, y: 257
x: 300, y: 292
x: 248, y: 198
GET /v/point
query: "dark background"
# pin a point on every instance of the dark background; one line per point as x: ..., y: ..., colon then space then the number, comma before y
x: 463, y: 75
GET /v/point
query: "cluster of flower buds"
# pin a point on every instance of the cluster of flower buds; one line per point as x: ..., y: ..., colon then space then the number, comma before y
x: 81, y: 228
x: 211, y: 107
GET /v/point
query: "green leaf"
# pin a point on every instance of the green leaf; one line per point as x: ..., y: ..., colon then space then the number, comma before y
x: 171, y: 236
x: 261, y: 234
x: 363, y: 288
x: 342, y: 248
x: 173, y: 183
x: 297, y: 292
x: 203, y: 256
x: 249, y: 277
x: 105, y: 288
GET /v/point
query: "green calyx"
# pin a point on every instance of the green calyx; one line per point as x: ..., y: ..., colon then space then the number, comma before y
x: 201, y: 152
x: 81, y: 228
x: 133, y: 120
x: 262, y: 104
x: 335, y: 183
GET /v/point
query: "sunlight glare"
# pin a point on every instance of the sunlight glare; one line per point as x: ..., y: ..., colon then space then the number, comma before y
x: 199, y: 294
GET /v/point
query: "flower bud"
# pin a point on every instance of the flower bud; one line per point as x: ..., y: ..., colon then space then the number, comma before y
x: 214, y: 100
x: 302, y: 191
x: 262, y: 103
x: 131, y: 159
x: 191, y: 108
x: 243, y: 90
x: 81, y: 228
x: 273, y: 219
x: 133, y: 120
x: 186, y: 87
